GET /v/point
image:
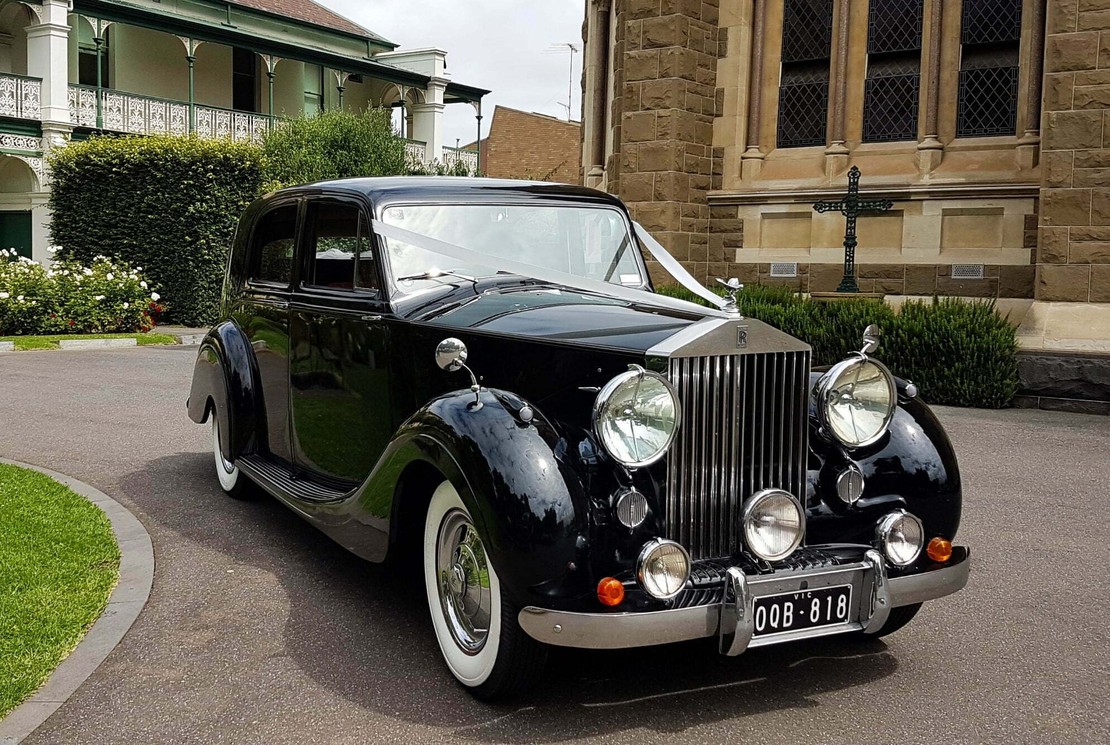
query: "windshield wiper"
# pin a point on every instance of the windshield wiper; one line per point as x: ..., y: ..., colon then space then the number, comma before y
x: 436, y: 274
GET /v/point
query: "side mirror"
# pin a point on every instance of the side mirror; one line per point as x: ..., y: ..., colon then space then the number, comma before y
x: 871, y: 336
x: 451, y: 354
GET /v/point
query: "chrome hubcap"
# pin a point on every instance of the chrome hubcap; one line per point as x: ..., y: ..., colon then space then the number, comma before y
x: 464, y: 586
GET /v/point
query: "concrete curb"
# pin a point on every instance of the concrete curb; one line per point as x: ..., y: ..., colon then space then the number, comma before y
x: 136, y: 575
x: 7, y: 346
x: 96, y: 343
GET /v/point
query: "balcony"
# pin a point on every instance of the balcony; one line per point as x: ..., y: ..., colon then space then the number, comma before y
x: 146, y: 115
x: 455, y: 155
x: 20, y: 96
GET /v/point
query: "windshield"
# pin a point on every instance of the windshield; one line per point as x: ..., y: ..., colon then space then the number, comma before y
x: 588, y: 242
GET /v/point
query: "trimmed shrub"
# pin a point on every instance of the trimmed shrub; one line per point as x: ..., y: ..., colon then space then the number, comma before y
x: 958, y: 352
x: 333, y: 145
x: 169, y: 204
x: 68, y: 298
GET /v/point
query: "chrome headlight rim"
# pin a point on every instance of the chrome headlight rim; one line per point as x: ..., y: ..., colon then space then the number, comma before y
x: 831, y: 376
x: 645, y: 553
x: 882, y: 536
x: 749, y: 508
x: 606, y: 393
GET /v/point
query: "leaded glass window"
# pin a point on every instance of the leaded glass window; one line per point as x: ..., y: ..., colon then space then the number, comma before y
x: 804, y: 83
x: 990, y: 42
x: 890, y: 98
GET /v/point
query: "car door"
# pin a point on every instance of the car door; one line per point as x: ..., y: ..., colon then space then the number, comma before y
x: 263, y: 314
x: 339, y: 381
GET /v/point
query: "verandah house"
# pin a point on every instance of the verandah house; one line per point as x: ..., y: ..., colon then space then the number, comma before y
x: 219, y: 68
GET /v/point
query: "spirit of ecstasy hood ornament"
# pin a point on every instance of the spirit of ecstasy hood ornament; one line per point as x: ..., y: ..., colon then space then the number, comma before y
x: 734, y: 288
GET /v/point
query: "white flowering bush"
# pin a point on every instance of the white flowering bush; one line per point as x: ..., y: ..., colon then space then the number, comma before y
x: 71, y: 298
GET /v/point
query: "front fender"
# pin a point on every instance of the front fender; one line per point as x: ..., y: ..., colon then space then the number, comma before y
x: 912, y: 467
x: 224, y: 374
x: 516, y: 479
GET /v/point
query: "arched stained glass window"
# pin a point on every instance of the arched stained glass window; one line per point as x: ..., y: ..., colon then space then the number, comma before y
x: 893, y: 70
x: 804, y: 82
x: 990, y: 42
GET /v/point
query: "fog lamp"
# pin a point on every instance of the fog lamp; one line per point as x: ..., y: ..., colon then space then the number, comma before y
x: 902, y: 537
x: 773, y: 524
x: 662, y: 568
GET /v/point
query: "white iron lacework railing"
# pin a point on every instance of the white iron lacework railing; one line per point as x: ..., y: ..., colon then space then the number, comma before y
x: 416, y: 151
x: 20, y: 96
x: 146, y: 115
x: 454, y: 155
x: 240, y: 126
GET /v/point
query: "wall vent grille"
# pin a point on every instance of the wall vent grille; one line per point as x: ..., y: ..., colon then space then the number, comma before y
x: 784, y: 269
x: 967, y: 271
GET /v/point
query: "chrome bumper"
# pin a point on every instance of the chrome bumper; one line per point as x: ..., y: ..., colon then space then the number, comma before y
x: 732, y: 620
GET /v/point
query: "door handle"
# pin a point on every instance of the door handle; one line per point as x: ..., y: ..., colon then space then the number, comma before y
x: 371, y: 317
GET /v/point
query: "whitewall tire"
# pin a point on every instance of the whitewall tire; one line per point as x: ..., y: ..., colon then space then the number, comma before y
x: 231, y: 480
x: 474, y: 623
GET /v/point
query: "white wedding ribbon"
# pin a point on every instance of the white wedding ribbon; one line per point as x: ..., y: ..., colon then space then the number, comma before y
x: 554, y: 276
x: 676, y: 269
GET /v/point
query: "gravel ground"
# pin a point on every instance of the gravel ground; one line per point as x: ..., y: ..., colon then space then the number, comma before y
x: 259, y: 630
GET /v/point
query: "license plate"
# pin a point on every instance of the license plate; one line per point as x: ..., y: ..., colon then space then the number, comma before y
x: 803, y: 609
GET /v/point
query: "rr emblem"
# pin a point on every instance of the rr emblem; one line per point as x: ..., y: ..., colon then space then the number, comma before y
x: 741, y: 337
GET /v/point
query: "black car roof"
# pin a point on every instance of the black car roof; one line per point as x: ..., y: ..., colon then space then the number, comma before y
x: 405, y: 188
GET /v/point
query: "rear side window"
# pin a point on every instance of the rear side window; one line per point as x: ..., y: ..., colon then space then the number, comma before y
x: 272, y: 249
x: 339, y: 244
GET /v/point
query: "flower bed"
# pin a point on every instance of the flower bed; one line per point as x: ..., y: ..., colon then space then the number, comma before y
x: 70, y: 298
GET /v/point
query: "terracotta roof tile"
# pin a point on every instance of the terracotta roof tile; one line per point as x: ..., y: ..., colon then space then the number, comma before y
x: 310, y: 12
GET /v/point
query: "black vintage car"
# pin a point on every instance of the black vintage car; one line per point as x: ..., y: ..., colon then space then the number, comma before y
x: 474, y: 377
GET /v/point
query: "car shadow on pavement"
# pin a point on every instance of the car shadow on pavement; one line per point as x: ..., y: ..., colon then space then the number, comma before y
x: 361, y: 632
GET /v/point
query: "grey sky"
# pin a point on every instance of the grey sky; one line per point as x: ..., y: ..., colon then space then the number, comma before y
x: 501, y: 45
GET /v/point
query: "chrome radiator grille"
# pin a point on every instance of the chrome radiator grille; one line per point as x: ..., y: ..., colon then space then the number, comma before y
x: 744, y: 428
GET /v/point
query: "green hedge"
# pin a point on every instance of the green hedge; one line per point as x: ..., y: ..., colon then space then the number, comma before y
x: 167, y: 204
x: 958, y: 352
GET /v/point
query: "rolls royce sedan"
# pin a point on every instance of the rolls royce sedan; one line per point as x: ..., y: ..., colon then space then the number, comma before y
x: 474, y: 379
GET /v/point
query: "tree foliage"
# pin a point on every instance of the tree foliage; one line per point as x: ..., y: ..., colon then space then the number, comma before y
x: 333, y: 145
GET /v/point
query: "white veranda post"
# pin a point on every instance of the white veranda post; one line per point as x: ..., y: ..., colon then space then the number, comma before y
x: 427, y: 119
x: 48, y: 58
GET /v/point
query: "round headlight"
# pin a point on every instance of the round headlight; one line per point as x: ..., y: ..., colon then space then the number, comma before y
x: 773, y: 524
x: 663, y: 568
x: 856, y: 401
x: 636, y: 417
x: 902, y: 536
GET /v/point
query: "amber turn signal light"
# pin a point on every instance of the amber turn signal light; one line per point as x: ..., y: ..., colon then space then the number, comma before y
x: 939, y: 550
x: 610, y: 591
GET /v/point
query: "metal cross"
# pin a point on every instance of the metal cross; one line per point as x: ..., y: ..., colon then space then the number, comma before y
x: 851, y: 206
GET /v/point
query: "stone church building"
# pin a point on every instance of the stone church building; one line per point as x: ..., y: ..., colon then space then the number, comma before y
x: 987, y: 122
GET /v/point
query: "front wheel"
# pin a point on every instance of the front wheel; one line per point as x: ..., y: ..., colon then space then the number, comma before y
x: 474, y: 622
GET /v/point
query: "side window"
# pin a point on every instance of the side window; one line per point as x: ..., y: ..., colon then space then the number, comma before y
x: 272, y: 249
x: 339, y: 242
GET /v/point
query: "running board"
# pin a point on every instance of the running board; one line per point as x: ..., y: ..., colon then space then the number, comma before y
x: 275, y: 477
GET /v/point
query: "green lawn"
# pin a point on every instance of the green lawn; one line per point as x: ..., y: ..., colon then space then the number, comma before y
x: 58, y: 564
x: 24, y: 343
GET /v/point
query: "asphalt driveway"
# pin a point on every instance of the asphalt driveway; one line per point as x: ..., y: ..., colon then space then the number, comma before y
x: 259, y: 630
